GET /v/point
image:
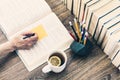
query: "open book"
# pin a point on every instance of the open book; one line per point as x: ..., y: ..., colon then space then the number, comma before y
x: 18, y: 16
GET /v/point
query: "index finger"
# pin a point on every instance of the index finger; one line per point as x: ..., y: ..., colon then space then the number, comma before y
x: 27, y: 33
x: 34, y: 38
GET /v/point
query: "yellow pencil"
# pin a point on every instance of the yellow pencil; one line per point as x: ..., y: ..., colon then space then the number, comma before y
x: 84, y: 25
x: 77, y: 29
x: 85, y: 40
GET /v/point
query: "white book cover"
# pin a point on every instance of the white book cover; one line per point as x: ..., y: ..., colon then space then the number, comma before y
x: 109, y: 33
x: 113, y: 55
x: 97, y: 15
x: 76, y: 7
x: 105, y: 27
x: 69, y: 4
x: 93, y: 8
x: 65, y: 1
x: 112, y: 42
x: 116, y: 60
x: 104, y: 19
x: 83, y: 3
x: 86, y: 9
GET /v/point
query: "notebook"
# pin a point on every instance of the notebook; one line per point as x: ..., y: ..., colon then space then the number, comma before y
x: 17, y: 16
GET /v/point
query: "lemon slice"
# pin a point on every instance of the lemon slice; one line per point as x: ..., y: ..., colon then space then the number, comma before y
x: 55, y: 60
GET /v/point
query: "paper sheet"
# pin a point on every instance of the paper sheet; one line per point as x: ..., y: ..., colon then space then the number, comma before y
x: 40, y: 31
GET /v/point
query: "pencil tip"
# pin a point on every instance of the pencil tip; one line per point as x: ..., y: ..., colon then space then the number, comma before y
x: 70, y: 22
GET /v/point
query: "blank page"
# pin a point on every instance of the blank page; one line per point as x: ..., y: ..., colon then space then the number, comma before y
x: 16, y: 14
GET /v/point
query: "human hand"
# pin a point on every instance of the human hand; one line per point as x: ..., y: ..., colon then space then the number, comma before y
x: 23, y: 42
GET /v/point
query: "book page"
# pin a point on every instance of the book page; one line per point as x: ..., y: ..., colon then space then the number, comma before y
x: 52, y: 36
x: 16, y: 14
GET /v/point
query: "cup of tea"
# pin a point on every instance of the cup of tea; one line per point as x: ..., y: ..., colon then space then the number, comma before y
x: 56, y: 62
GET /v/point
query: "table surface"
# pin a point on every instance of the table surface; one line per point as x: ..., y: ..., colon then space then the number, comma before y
x: 96, y: 66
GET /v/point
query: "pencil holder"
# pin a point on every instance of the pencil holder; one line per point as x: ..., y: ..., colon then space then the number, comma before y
x: 81, y: 49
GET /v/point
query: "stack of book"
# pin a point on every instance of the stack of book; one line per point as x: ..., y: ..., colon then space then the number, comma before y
x: 102, y: 19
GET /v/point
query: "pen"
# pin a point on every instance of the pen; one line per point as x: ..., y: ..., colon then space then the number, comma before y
x: 28, y: 35
x: 72, y: 35
x: 77, y: 39
x: 80, y: 27
x: 83, y: 31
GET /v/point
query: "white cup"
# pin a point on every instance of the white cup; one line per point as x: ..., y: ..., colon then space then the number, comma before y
x: 53, y: 68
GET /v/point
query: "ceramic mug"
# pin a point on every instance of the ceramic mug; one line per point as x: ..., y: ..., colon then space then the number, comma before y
x: 57, y: 61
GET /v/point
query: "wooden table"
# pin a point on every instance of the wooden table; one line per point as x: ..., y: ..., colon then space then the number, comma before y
x: 95, y: 66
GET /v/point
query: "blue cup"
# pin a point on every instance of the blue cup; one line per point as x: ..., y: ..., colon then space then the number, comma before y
x: 80, y: 49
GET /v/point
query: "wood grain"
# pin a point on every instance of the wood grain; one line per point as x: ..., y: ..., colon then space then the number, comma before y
x: 96, y: 66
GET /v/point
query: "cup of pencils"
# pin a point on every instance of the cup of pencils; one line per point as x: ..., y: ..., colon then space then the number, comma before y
x: 81, y: 45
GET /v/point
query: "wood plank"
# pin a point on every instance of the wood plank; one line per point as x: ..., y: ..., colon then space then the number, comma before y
x: 53, y: 3
x: 85, y: 64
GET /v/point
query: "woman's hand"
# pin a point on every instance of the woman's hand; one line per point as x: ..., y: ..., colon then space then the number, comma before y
x: 23, y: 42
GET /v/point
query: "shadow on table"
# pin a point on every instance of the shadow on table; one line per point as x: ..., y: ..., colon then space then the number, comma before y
x: 6, y: 58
